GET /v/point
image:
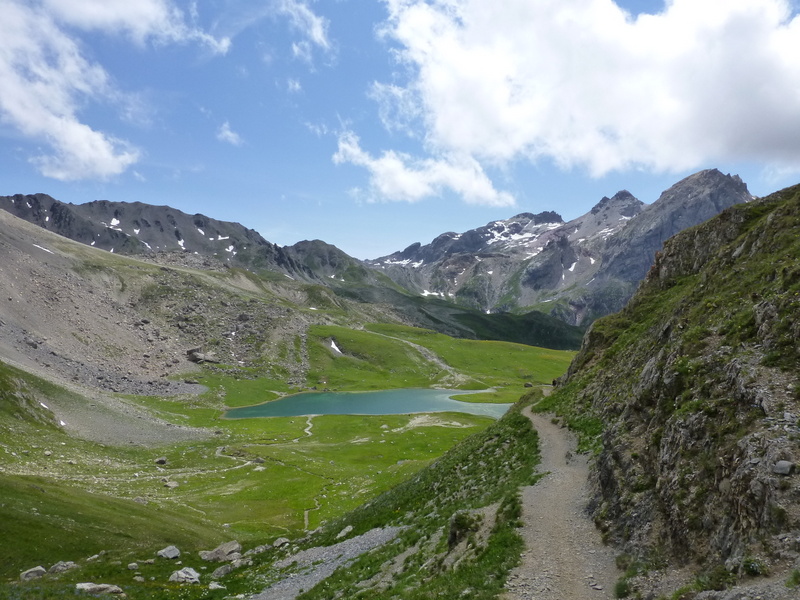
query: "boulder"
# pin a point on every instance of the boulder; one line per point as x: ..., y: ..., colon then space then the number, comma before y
x: 223, y: 552
x: 222, y: 571
x: 281, y: 541
x: 344, y: 532
x: 783, y: 467
x: 161, y: 460
x: 62, y: 566
x: 99, y: 588
x: 169, y: 552
x: 185, y: 575
x: 33, y: 573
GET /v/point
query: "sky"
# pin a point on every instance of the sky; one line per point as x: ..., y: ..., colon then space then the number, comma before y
x: 374, y: 124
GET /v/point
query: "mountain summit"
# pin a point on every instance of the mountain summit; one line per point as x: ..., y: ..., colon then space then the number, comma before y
x: 576, y: 271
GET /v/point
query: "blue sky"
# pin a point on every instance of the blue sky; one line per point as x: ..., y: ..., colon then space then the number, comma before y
x: 372, y: 124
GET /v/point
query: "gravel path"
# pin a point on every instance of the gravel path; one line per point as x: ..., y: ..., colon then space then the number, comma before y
x: 317, y: 564
x: 564, y: 558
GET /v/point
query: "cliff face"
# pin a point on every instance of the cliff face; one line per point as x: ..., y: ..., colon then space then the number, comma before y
x: 690, y: 395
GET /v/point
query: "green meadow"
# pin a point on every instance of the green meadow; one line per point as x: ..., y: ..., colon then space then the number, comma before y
x: 255, y: 479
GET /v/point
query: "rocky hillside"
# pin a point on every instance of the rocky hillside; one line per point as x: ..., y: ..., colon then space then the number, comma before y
x: 177, y: 240
x: 690, y: 397
x: 576, y: 271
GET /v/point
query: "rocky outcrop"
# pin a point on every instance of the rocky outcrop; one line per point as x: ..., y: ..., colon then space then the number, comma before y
x: 695, y: 388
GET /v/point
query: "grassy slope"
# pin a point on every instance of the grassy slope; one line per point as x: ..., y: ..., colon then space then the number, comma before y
x: 345, y: 462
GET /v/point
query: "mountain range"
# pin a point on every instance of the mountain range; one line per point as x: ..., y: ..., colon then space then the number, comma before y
x: 575, y: 271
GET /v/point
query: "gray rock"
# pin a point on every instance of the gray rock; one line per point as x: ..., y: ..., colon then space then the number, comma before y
x: 783, y: 467
x: 169, y: 552
x: 215, y: 586
x: 185, y: 575
x: 281, y: 541
x: 33, y: 573
x: 171, y: 484
x: 161, y: 460
x: 99, y: 588
x: 223, y: 552
x: 62, y: 566
x: 344, y: 532
x: 222, y: 571
x: 133, y: 566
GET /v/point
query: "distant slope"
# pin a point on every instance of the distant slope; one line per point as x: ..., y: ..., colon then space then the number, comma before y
x: 576, y: 271
x: 690, y: 397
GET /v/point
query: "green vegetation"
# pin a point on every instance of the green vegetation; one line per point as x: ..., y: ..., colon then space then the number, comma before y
x: 474, y: 485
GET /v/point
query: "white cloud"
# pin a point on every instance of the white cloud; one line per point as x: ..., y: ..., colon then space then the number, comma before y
x: 587, y: 85
x: 142, y: 20
x: 45, y: 77
x: 47, y: 80
x: 227, y: 135
x: 302, y: 18
x: 397, y: 176
x: 294, y: 86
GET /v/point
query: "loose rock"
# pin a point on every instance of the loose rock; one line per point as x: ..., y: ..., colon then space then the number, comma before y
x: 62, y: 566
x: 185, y: 575
x: 223, y: 552
x: 33, y: 573
x: 99, y: 588
x: 169, y: 552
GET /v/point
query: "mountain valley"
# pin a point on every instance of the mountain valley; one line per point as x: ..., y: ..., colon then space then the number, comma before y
x: 127, y: 330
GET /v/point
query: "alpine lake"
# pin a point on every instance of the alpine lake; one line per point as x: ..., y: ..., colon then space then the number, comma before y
x: 384, y: 402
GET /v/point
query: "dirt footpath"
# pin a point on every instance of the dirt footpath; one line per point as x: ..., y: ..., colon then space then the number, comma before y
x: 564, y: 558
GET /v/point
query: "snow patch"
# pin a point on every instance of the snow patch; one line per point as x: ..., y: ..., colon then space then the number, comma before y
x: 591, y: 259
x: 490, y: 272
x: 229, y: 248
x: 28, y: 204
x: 181, y: 244
x: 223, y: 237
x: 288, y: 276
x: 427, y: 293
x: 572, y: 267
x: 136, y: 231
x: 44, y: 405
x: 335, y: 348
x: 43, y: 248
x: 47, y: 218
x: 93, y: 243
x: 203, y: 233
x: 114, y: 222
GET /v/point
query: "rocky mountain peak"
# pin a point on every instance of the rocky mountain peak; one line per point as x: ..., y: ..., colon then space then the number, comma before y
x: 623, y: 202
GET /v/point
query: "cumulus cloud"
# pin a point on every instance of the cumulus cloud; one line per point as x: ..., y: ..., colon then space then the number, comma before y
x: 588, y: 85
x: 227, y: 135
x: 47, y: 80
x: 397, y: 176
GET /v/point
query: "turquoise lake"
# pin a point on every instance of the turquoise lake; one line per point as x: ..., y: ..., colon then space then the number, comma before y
x: 387, y: 402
